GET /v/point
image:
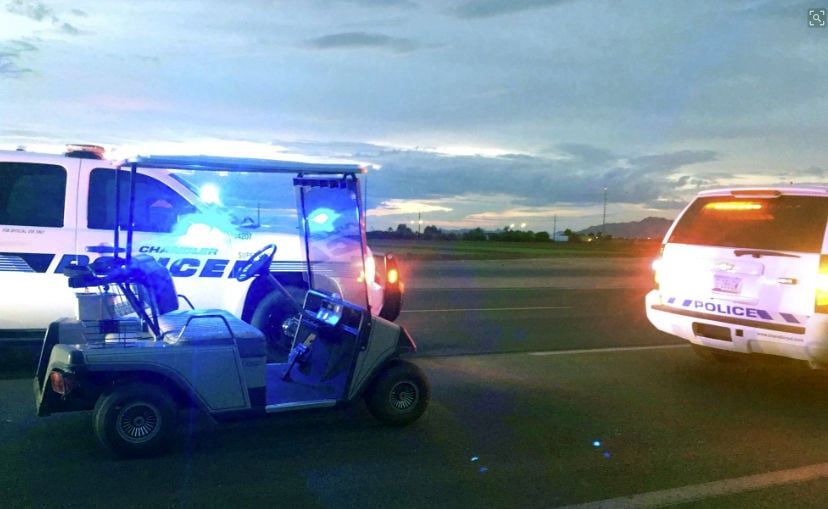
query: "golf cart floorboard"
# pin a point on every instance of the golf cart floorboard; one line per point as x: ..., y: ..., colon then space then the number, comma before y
x: 298, y: 390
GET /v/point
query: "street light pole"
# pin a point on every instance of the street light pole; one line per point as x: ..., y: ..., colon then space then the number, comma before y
x: 604, y: 221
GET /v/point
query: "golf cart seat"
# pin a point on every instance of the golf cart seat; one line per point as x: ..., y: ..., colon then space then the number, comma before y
x: 211, y: 327
x: 191, y: 326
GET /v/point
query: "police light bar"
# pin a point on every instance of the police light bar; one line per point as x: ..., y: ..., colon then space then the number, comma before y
x: 241, y: 164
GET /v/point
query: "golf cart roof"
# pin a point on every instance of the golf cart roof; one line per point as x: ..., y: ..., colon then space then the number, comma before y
x: 241, y: 164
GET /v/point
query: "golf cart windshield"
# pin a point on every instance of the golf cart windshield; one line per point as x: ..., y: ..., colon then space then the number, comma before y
x: 330, y: 212
x: 252, y: 195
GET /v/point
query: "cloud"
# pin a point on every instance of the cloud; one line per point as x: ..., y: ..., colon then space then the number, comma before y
x: 10, y: 54
x: 41, y: 13
x: 568, y: 181
x: 69, y: 29
x: 490, y: 8
x: 399, y: 207
x: 36, y: 11
x: 581, y: 174
x: 569, y: 173
x: 383, y: 3
x: 363, y: 40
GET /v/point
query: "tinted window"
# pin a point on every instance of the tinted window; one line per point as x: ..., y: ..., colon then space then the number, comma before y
x: 157, y: 207
x: 784, y: 223
x: 32, y: 194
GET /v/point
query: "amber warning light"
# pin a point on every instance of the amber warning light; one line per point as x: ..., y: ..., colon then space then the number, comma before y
x: 733, y: 205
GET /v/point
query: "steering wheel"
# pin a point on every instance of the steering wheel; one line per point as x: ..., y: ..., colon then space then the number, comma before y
x: 258, y: 262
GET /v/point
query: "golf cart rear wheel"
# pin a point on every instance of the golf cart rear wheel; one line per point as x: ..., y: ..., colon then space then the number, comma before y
x: 135, y: 420
x: 400, y: 395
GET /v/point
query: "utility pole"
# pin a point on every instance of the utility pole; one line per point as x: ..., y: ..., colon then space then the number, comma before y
x: 554, y: 226
x: 604, y: 221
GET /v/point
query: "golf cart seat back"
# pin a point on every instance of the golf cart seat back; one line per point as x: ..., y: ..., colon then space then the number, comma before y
x: 146, y: 271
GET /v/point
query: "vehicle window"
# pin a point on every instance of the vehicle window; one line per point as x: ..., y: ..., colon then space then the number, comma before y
x: 32, y: 194
x: 157, y: 207
x: 785, y: 223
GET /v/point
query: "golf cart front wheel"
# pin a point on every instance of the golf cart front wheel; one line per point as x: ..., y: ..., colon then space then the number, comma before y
x: 400, y: 395
x: 135, y: 420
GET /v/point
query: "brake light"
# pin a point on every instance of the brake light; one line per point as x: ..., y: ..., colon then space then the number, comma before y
x: 61, y: 383
x: 821, y: 299
x: 657, y: 265
x: 656, y: 276
x: 733, y: 205
x: 370, y: 270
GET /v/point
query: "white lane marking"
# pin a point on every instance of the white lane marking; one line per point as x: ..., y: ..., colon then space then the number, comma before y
x: 704, y: 491
x: 482, y: 309
x: 604, y: 350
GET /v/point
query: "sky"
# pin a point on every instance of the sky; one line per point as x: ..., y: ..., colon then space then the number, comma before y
x: 530, y: 114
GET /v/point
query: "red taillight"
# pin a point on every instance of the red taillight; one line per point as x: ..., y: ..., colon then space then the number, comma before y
x: 61, y: 383
x: 657, y: 266
x: 821, y: 298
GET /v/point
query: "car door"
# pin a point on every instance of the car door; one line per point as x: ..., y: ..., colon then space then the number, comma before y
x: 37, y: 233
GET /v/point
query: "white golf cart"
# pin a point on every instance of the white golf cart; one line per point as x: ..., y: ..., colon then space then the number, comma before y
x: 135, y: 358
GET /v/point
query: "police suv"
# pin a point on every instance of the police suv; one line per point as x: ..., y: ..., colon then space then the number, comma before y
x: 746, y: 271
x: 57, y: 210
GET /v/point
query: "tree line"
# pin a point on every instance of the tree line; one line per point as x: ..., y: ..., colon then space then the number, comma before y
x: 507, y: 234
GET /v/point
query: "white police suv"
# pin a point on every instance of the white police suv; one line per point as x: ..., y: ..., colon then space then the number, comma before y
x: 57, y: 210
x: 746, y: 271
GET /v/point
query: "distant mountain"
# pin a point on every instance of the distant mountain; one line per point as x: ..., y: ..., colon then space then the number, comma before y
x: 651, y: 227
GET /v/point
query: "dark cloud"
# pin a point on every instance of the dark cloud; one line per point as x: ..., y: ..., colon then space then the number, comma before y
x: 362, y: 40
x: 10, y: 55
x: 491, y: 8
x: 67, y: 28
x: 383, y: 3
x: 583, y: 152
x: 533, y: 181
x: 573, y: 173
x: 10, y: 69
x: 37, y: 11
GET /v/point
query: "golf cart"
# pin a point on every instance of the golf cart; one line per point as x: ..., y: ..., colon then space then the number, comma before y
x: 134, y: 357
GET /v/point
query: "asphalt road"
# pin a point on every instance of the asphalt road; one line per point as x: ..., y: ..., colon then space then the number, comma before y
x: 473, y: 307
x: 548, y: 391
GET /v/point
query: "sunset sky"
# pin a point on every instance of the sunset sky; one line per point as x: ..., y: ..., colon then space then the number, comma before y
x: 472, y: 113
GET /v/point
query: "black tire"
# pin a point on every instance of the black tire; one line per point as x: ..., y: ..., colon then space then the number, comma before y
x: 400, y: 394
x: 268, y: 317
x: 135, y: 420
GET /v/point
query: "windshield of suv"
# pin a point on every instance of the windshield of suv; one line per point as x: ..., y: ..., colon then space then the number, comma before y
x: 783, y: 223
x: 243, y: 200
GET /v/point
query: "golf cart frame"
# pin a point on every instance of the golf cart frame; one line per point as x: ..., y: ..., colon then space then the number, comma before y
x: 135, y: 358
